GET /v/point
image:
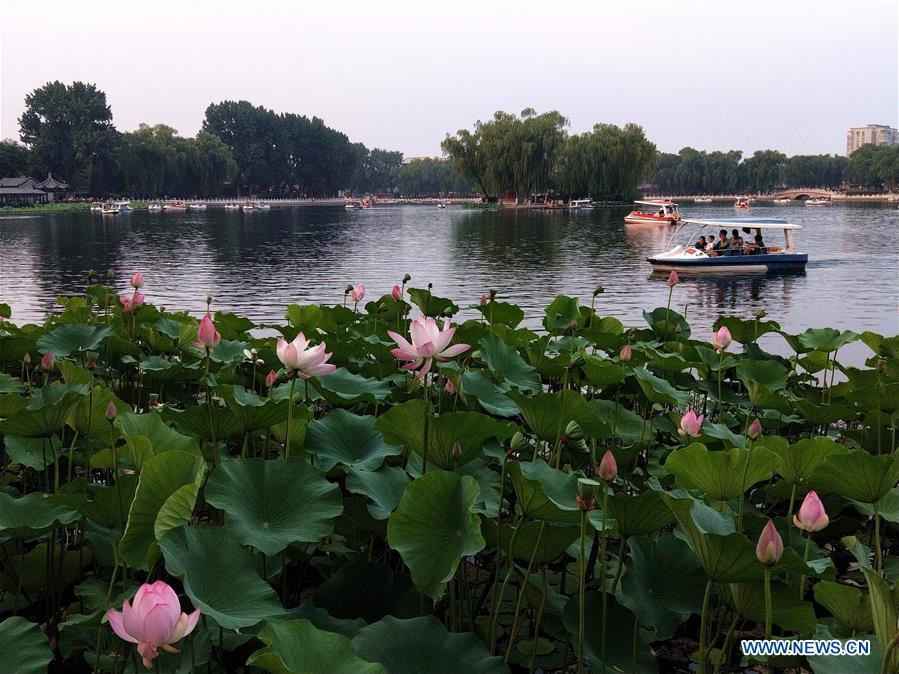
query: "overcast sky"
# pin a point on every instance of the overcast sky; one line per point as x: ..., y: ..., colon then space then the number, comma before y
x: 791, y: 76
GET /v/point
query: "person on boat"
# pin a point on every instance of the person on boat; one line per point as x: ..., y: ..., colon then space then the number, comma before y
x: 661, y: 212
x: 757, y: 247
x: 710, y: 243
x: 701, y: 243
x: 723, y: 244
x: 736, y: 241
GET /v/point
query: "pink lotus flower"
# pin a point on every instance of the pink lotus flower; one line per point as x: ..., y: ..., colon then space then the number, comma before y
x: 690, y: 424
x: 770, y: 547
x: 755, y: 430
x: 484, y: 300
x: 672, y: 278
x: 111, y: 412
x: 153, y: 620
x: 271, y: 378
x: 429, y: 343
x: 625, y: 353
x: 306, y: 362
x: 358, y: 293
x: 608, y: 467
x: 721, y: 339
x: 137, y: 280
x: 396, y: 293
x: 131, y: 302
x: 48, y: 360
x: 811, y: 516
x: 450, y: 387
x: 207, y: 336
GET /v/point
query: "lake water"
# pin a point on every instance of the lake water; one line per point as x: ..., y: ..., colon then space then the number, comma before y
x: 258, y: 263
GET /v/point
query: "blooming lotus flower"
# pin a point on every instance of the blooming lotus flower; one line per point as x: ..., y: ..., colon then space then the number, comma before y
x: 429, y: 343
x: 153, y: 620
x: 690, y: 424
x: 253, y: 356
x: 137, y: 280
x: 672, y: 278
x: 207, y: 336
x: 271, y: 378
x: 111, y: 412
x: 770, y: 547
x: 608, y: 467
x: 755, y: 430
x: 811, y: 516
x: 625, y: 353
x: 721, y: 339
x: 396, y: 293
x: 131, y: 302
x: 358, y: 292
x: 48, y: 360
x: 306, y: 362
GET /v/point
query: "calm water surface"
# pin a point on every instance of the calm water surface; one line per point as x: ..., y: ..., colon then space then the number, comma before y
x: 256, y: 264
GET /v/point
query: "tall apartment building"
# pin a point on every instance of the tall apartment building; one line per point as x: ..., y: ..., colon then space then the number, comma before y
x: 874, y: 134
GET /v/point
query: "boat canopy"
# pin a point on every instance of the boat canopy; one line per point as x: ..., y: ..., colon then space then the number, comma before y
x: 656, y: 203
x: 751, y: 223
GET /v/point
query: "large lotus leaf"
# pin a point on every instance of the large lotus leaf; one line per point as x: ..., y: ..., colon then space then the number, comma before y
x: 325, y: 621
x: 404, y: 425
x: 161, y: 478
x: 342, y: 386
x: 788, y: 611
x: 659, y: 390
x: 745, y: 331
x: 798, y: 462
x: 9, y: 384
x: 547, y: 414
x: 826, y: 339
x: 424, y: 645
x: 642, y: 514
x: 887, y: 507
x: 819, y: 413
x: 884, y: 611
x: 24, y: 648
x: 367, y: 591
x: 430, y: 304
x: 147, y: 435
x: 560, y: 314
x: 501, y: 313
x: 101, y: 504
x: 271, y: 504
x: 348, y: 439
x: 646, y: 587
x: 770, y: 373
x: 503, y: 359
x: 847, y: 604
x: 46, y: 412
x: 27, y: 574
x: 543, y: 492
x: 89, y: 415
x: 619, y: 635
x: 667, y: 324
x: 252, y: 411
x: 72, y: 338
x: 722, y: 432
x: 204, y: 423
x: 34, y: 453
x: 629, y: 427
x: 228, y: 351
x: 858, y: 476
x: 299, y: 647
x: 10, y: 403
x: 540, y: 540
x: 32, y: 514
x: 719, y: 474
x: 383, y: 487
x: 836, y: 664
x: 491, y: 397
x: 603, y: 373
x: 434, y: 527
x: 487, y: 477
x: 219, y: 576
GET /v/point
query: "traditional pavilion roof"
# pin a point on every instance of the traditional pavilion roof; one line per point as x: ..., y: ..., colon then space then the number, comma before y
x: 51, y: 183
x: 18, y: 181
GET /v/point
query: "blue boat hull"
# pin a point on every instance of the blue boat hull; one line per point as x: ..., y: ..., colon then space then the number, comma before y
x: 732, y: 263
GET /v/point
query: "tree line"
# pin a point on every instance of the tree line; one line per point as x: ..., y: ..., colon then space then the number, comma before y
x: 693, y: 171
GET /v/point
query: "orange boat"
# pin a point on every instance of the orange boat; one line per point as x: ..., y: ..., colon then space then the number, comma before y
x: 654, y: 212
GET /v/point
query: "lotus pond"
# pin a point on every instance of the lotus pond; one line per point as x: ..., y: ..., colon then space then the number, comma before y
x: 389, y: 493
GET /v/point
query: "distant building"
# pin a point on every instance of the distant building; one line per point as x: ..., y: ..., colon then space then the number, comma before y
x: 24, y: 191
x: 409, y: 160
x: 873, y: 134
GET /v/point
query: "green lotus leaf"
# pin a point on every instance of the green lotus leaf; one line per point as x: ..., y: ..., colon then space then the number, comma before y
x: 819, y: 413
x: 646, y: 587
x: 836, y: 664
x: 798, y: 462
x: 826, y: 339
x: 73, y: 338
x: 219, y: 576
x: 46, y: 412
x: 659, y: 390
x: 299, y: 647
x: 364, y: 591
x: 342, y: 386
x: 33, y: 514
x: 745, y: 331
x: 24, y: 648
x: 424, y: 645
x: 543, y: 492
x: 502, y: 313
x: 769, y: 373
x: 847, y: 604
x: 430, y: 304
x: 548, y: 414
x: 34, y: 453
x: 228, y: 351
x: 719, y: 474
x: 89, y: 415
x: 204, y: 423
x: 434, y: 527
x: 347, y: 439
x: 603, y: 373
x: 540, y: 540
x: 325, y: 621
x: 9, y: 384
x: 667, y: 324
x: 505, y: 360
x: 147, y: 435
x: 161, y: 478
x: 383, y: 487
x: 857, y: 475
x: 491, y: 397
x: 560, y: 314
x: 631, y: 428
x: 252, y: 411
x: 722, y: 432
x: 788, y: 611
x: 101, y: 504
x: 884, y: 602
x: 306, y: 318
x: 641, y: 514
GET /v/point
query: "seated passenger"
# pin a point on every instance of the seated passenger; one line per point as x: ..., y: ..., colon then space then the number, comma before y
x: 723, y: 243
x: 701, y: 243
x: 710, y: 246
x: 759, y: 245
x: 736, y: 241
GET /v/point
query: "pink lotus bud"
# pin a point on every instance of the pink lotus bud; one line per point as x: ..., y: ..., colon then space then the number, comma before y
x: 26, y: 358
x: 48, y: 361
x: 457, y: 451
x: 484, y: 300
x: 396, y: 293
x: 721, y: 339
x: 770, y: 547
x: 625, y: 353
x: 358, y: 293
x: 608, y: 467
x: 690, y: 424
x: 207, y: 335
x: 90, y: 365
x: 755, y: 430
x: 137, y: 280
x: 450, y: 387
x: 111, y: 411
x: 672, y: 278
x: 153, y: 620
x: 271, y: 378
x: 811, y: 516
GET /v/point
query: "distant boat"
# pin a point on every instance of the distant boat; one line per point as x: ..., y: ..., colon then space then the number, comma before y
x: 817, y: 202
x: 198, y: 206
x: 153, y: 207
x: 110, y: 208
x: 440, y: 204
x: 741, y: 203
x: 353, y: 205
x: 124, y: 206
x: 177, y: 206
x: 702, y: 200
x: 230, y: 206
x: 783, y: 200
x: 577, y: 204
x: 96, y: 207
x: 658, y: 213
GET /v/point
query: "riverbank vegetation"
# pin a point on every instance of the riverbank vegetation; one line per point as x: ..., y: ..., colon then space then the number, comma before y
x: 396, y: 482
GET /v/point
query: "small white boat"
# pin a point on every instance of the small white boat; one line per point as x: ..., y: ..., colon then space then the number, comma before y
x: 702, y: 200
x: 756, y: 256
x: 263, y: 206
x: 783, y: 200
x: 440, y: 204
x: 176, y: 206
x: 110, y: 208
x: 198, y: 206
x: 124, y: 206
x: 741, y: 203
x: 230, y: 206
x: 817, y: 202
x: 577, y: 204
x: 655, y: 212
x: 96, y: 207
x: 153, y: 207
x: 353, y: 205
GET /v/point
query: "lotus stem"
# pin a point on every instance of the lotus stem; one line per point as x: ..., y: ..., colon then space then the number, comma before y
x: 425, y: 443
x: 602, y: 575
x: 527, y: 576
x: 743, y: 488
x: 293, y: 381
x: 808, y: 544
x: 790, y: 515
x: 888, y: 654
x: 878, y: 552
x: 703, y: 629
x: 538, y: 622
x: 622, y: 553
x: 581, y: 587
x: 668, y: 311
x: 502, y: 591
x: 768, y: 607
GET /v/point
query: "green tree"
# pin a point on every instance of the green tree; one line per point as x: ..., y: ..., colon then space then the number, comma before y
x: 15, y: 159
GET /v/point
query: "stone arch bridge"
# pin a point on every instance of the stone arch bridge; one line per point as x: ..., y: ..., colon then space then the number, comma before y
x: 803, y: 193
